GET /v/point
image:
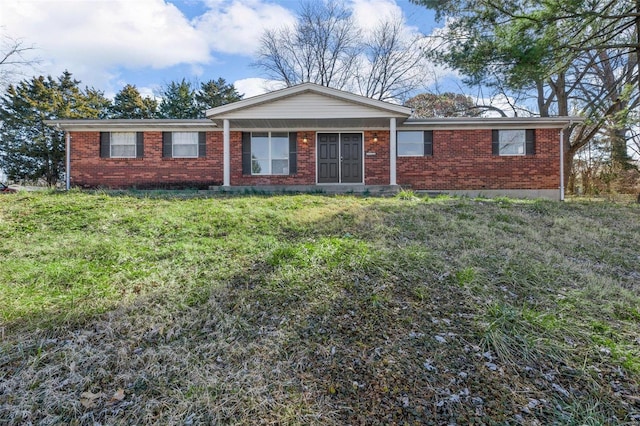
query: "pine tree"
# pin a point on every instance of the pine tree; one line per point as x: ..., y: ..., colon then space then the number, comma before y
x: 214, y: 93
x: 129, y: 103
x: 178, y: 101
x: 29, y: 149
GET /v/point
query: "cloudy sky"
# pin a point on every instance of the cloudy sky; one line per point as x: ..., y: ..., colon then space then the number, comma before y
x: 109, y: 43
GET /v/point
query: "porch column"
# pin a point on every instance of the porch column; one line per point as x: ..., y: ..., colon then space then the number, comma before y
x: 226, y: 154
x: 67, y: 172
x: 392, y: 151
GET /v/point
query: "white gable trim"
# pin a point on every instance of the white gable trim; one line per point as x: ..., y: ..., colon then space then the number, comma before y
x: 386, y: 107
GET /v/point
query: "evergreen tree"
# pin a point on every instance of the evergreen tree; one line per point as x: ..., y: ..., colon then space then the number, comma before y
x: 178, y: 101
x: 29, y: 148
x: 215, y: 93
x: 129, y: 103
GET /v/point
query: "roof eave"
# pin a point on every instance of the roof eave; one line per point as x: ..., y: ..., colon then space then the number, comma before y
x: 492, y: 122
x: 132, y: 124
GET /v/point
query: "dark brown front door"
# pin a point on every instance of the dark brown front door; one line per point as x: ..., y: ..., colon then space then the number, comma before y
x: 351, y: 153
x: 328, y: 158
x: 339, y: 158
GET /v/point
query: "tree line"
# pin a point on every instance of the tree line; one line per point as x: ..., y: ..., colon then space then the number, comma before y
x: 551, y: 58
x: 31, y: 150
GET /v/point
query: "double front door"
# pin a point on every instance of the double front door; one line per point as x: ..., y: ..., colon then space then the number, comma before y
x: 339, y: 158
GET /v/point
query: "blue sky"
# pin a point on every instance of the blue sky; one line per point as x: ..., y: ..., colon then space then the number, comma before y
x: 109, y: 43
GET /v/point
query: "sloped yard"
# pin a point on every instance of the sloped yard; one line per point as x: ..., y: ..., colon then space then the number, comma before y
x: 123, y: 309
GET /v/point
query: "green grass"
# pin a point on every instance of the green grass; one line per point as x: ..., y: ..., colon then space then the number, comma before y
x: 302, y: 309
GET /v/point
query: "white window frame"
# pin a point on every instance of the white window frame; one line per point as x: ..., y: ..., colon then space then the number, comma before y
x: 270, y: 158
x: 509, y: 139
x: 399, y: 143
x: 177, y: 141
x: 123, y: 139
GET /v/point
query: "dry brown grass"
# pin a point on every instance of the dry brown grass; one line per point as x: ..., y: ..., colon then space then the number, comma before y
x: 320, y: 310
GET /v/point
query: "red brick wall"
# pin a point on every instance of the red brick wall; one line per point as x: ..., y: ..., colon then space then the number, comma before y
x: 376, y: 167
x: 462, y: 159
x: 89, y: 170
x: 306, y: 174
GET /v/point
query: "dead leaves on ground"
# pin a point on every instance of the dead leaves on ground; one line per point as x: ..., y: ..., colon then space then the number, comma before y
x: 90, y: 400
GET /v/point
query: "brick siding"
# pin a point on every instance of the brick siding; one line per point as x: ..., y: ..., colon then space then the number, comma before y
x: 462, y: 160
x: 376, y: 165
x: 88, y: 169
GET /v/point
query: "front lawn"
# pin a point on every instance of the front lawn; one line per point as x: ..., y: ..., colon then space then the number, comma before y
x: 131, y: 309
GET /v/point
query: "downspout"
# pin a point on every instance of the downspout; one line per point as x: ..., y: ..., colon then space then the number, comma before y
x: 68, y: 158
x: 562, y: 164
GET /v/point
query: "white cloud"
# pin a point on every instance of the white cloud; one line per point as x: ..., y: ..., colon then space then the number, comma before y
x: 368, y: 13
x: 105, y: 33
x: 236, y: 26
x: 256, y: 86
x: 94, y: 38
x: 104, y: 42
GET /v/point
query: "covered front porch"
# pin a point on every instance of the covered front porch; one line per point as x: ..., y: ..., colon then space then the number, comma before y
x: 309, y: 135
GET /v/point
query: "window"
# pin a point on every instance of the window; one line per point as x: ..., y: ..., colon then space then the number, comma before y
x: 415, y: 143
x: 269, y: 153
x: 513, y: 142
x: 185, y: 144
x: 121, y: 144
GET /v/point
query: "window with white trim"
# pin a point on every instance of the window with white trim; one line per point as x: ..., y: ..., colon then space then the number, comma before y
x: 123, y: 145
x: 269, y: 153
x: 184, y: 144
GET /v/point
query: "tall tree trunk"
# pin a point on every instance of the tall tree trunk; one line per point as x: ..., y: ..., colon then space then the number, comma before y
x: 638, y: 40
x: 542, y: 101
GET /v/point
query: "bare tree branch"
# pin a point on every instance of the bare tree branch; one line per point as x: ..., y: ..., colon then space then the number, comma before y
x: 14, y: 59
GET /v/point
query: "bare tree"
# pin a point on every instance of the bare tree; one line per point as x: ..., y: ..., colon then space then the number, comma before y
x: 392, y: 62
x: 13, y: 59
x: 321, y: 48
x: 326, y: 47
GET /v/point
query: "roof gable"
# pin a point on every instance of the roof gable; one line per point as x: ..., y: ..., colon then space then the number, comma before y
x: 307, y: 101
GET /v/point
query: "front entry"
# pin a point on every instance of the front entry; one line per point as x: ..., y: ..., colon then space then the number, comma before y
x: 339, y: 158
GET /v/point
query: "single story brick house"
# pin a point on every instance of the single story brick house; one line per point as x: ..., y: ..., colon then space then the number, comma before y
x: 313, y: 137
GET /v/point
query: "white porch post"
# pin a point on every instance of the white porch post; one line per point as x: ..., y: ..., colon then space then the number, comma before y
x: 392, y: 151
x: 226, y: 154
x: 68, y: 162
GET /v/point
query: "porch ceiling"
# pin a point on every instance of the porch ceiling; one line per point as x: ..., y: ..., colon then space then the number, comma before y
x: 307, y: 124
